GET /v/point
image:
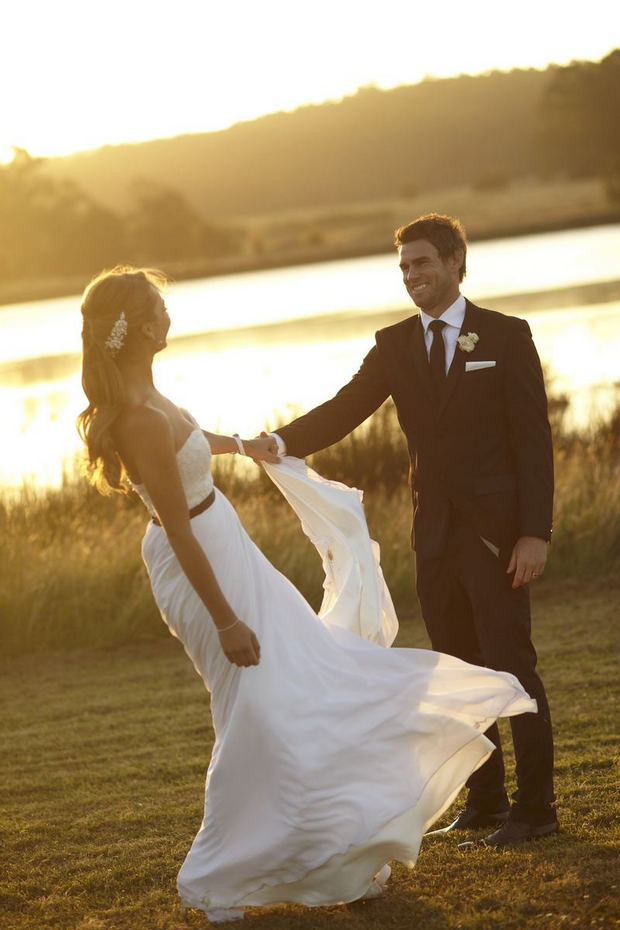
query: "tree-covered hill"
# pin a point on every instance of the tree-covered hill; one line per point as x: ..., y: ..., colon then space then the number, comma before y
x: 323, y: 181
x: 371, y: 145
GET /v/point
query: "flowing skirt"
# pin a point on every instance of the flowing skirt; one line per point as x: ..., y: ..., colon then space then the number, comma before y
x: 334, y: 754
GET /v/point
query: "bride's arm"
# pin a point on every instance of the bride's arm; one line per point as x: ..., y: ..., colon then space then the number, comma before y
x: 150, y: 439
x: 220, y: 444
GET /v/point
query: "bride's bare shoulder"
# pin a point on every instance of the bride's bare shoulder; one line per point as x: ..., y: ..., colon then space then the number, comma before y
x: 141, y: 425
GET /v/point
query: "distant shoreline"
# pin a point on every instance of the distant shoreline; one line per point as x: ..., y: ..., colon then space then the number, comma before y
x: 49, y: 288
x: 25, y: 370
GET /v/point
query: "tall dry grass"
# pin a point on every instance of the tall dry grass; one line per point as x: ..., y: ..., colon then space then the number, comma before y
x: 70, y: 567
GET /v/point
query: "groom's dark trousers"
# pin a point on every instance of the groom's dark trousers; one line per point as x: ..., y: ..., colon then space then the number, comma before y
x: 481, y: 477
x: 471, y: 611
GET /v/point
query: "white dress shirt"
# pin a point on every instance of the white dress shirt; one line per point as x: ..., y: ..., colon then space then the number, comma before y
x: 453, y: 318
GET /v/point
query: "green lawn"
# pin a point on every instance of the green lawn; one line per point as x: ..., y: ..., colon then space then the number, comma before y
x: 104, y: 755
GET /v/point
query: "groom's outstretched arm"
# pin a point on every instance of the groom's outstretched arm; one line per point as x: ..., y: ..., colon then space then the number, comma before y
x: 331, y: 421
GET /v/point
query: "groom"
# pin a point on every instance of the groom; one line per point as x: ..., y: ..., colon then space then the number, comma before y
x: 470, y: 398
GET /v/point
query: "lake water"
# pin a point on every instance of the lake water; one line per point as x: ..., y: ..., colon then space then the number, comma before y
x: 248, y: 350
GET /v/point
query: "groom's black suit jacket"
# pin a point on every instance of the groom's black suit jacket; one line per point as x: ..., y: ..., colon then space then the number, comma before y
x: 484, y: 450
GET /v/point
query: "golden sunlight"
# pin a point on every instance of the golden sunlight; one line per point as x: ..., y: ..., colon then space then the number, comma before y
x: 79, y: 81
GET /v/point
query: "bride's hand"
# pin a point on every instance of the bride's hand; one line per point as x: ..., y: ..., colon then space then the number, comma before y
x: 240, y: 645
x: 262, y: 449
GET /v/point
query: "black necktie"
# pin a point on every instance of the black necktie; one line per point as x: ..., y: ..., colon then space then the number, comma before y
x: 437, y: 357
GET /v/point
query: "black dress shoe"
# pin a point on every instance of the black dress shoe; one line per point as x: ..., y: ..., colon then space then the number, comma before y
x: 471, y: 818
x: 512, y: 833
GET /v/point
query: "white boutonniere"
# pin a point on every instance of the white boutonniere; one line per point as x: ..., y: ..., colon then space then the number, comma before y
x: 467, y: 343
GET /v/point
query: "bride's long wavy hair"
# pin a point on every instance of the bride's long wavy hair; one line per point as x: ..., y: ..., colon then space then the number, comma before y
x: 127, y: 290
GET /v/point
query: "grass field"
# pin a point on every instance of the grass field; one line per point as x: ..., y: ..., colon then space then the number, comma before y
x: 104, y: 755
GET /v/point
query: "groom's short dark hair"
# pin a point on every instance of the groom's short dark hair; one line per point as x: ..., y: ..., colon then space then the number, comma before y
x: 444, y: 232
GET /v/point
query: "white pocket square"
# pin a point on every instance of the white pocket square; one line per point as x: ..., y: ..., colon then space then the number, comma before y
x: 477, y: 366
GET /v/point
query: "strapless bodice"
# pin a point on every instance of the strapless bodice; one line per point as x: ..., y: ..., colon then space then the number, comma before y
x: 194, y: 463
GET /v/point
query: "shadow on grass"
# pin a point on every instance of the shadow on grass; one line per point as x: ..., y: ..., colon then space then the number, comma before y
x: 396, y: 909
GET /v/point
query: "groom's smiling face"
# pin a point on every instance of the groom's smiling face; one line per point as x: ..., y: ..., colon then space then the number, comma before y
x: 431, y: 281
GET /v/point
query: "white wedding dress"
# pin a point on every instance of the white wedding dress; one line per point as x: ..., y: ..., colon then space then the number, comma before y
x: 336, y: 753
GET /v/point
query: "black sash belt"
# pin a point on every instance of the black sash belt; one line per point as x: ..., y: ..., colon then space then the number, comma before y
x: 199, y: 508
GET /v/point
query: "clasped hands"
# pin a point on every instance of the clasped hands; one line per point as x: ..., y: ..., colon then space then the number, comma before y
x: 262, y: 448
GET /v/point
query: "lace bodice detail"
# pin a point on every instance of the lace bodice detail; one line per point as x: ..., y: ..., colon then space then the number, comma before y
x: 194, y: 461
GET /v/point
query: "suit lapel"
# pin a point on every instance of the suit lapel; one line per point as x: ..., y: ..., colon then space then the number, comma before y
x: 457, y: 368
x: 420, y: 357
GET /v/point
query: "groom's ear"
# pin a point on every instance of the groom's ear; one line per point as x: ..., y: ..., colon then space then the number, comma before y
x: 455, y: 261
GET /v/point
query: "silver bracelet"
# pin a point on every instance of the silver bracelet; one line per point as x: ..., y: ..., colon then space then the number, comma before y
x: 240, y: 446
x: 226, y: 628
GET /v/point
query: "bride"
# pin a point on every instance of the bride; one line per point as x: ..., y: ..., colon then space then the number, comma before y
x: 333, y: 754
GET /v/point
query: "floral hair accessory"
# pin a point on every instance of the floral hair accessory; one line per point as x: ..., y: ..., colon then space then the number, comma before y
x: 468, y: 342
x: 114, y: 342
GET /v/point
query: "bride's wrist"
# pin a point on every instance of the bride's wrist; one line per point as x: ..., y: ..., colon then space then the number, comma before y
x: 229, y: 626
x: 239, y: 446
x: 225, y: 620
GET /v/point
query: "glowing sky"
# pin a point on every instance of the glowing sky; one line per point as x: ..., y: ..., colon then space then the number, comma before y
x: 77, y: 74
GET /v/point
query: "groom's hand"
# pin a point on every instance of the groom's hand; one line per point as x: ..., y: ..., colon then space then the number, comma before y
x: 272, y: 444
x: 263, y: 448
x: 527, y: 560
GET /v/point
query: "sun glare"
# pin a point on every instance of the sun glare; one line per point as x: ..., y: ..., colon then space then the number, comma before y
x: 81, y: 80
x: 6, y: 154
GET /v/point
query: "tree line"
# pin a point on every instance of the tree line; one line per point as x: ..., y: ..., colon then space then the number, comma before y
x: 187, y: 197
x: 50, y: 227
